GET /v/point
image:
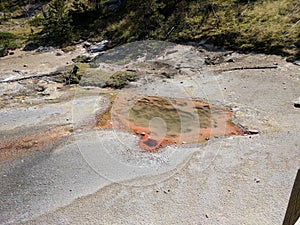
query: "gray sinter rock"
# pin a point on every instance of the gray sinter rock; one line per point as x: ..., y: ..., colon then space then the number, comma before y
x: 97, y: 47
x: 43, y: 49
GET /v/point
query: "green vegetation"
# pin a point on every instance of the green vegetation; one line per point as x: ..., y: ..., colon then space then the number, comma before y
x: 8, y: 40
x: 269, y: 26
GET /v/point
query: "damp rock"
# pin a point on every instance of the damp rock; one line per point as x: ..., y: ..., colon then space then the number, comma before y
x: 86, y: 45
x: 297, y: 63
x: 3, y: 52
x: 256, y: 180
x: 82, y: 59
x: 252, y: 131
x: 98, y: 47
x: 297, y: 103
x: 31, y: 46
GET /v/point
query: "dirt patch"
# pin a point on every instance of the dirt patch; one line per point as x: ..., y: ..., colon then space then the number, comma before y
x: 164, y: 121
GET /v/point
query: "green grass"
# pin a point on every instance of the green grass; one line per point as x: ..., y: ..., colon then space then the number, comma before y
x: 265, y: 26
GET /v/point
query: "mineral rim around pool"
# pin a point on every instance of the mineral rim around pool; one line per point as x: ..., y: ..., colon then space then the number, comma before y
x: 165, y: 121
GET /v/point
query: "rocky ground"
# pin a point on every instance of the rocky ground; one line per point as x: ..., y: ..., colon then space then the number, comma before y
x: 57, y: 167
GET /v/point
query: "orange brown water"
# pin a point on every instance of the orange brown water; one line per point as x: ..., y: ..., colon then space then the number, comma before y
x: 166, y: 121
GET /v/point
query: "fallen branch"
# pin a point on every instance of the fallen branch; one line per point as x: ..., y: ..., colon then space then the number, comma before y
x: 31, y: 77
x: 295, y: 24
x: 169, y: 32
x: 250, y: 68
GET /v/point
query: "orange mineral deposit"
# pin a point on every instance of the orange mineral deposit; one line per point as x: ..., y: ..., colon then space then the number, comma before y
x: 167, y: 121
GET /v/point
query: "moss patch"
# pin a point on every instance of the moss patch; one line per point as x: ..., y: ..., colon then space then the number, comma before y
x: 69, y: 78
x: 120, y: 79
